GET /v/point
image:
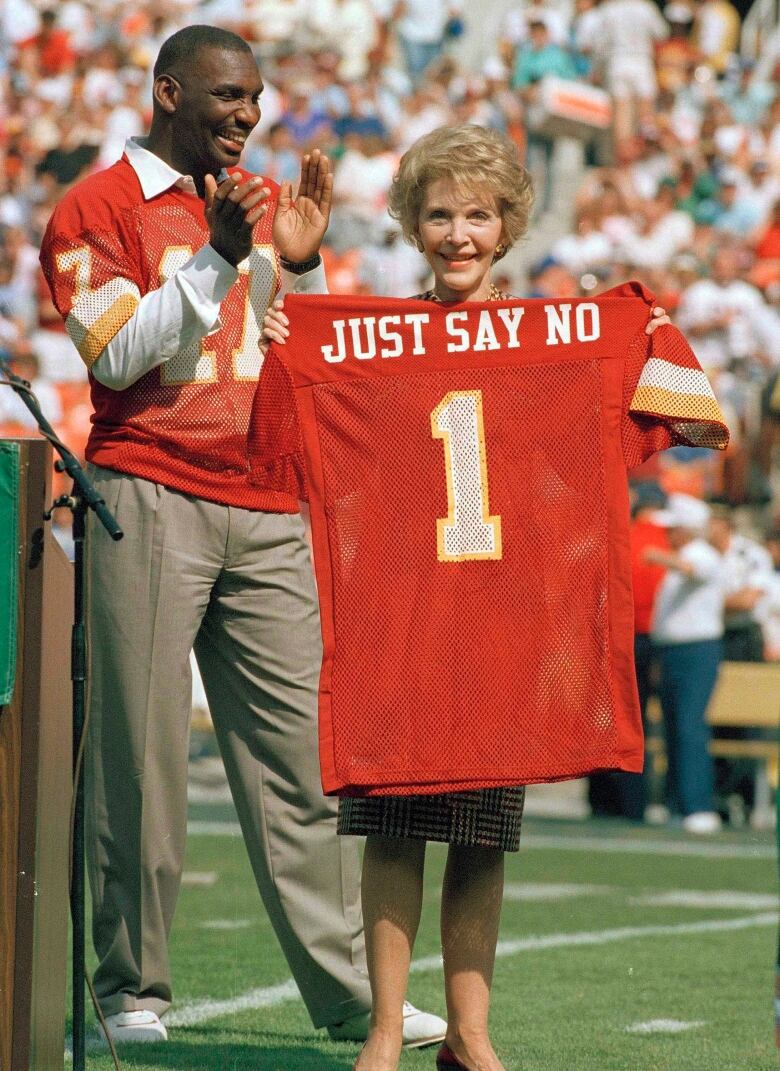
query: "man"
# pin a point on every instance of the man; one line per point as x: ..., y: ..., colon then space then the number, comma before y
x: 629, y: 31
x: 748, y: 573
x: 536, y: 60
x: 750, y: 587
x: 163, y: 268
x: 688, y: 633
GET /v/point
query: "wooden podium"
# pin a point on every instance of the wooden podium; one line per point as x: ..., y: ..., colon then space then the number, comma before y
x: 35, y: 783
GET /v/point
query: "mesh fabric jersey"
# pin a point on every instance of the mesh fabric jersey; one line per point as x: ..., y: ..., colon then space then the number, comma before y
x: 466, y: 469
x: 184, y: 423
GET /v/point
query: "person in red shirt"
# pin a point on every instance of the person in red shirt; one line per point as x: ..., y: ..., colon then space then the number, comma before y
x: 51, y: 48
x: 463, y: 198
x: 617, y: 794
x: 162, y: 267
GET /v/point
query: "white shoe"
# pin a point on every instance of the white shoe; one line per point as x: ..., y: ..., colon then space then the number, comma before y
x: 422, y: 1028
x: 135, y: 1026
x: 702, y: 822
x: 419, y: 1029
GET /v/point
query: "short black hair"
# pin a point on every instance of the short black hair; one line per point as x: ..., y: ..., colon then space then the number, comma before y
x: 182, y: 46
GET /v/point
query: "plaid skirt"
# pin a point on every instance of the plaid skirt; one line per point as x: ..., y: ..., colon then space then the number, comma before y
x: 482, y: 818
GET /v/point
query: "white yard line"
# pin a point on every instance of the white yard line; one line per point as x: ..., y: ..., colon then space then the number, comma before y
x: 629, y: 845
x: 199, y: 879
x: 204, y: 1011
x: 605, y: 937
x: 664, y: 1026
x: 214, y: 829
x: 639, y: 846
x: 734, y: 899
x: 538, y: 891
x: 226, y: 924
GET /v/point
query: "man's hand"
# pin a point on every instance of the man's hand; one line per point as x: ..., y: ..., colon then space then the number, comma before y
x: 300, y: 225
x: 232, y: 209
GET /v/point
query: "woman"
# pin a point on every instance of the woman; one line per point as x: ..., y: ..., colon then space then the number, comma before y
x: 463, y: 198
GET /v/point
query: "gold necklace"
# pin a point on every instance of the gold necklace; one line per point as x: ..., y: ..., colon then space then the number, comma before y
x: 494, y: 294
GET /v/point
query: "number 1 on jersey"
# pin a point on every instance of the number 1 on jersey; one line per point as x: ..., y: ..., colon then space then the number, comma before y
x: 468, y: 531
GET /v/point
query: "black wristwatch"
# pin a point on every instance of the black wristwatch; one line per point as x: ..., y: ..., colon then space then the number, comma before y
x: 302, y: 266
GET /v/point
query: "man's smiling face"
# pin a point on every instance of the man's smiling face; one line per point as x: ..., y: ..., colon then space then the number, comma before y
x: 218, y: 108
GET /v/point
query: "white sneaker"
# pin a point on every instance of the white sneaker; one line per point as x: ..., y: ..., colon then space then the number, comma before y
x: 420, y: 1028
x: 702, y: 822
x: 135, y: 1026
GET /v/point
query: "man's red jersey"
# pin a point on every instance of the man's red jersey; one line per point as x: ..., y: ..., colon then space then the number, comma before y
x: 183, y: 424
x: 466, y: 468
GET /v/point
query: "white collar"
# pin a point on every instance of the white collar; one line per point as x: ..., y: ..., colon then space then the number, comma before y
x: 153, y: 173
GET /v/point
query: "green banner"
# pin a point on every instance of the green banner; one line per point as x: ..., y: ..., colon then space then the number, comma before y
x: 9, y: 565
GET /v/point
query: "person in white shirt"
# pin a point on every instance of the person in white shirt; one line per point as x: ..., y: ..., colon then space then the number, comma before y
x: 748, y: 577
x: 422, y: 26
x: 750, y: 591
x: 724, y: 317
x: 628, y: 33
x: 688, y: 633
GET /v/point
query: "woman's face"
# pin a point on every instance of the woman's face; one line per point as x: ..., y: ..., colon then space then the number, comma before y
x: 459, y: 232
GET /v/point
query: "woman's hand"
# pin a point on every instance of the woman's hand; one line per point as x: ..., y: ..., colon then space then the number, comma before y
x: 275, y: 326
x: 658, y: 318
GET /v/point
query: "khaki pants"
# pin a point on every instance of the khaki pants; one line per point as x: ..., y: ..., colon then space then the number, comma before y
x: 237, y: 586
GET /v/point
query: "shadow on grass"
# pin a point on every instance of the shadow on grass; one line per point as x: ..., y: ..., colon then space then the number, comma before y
x: 212, y: 1055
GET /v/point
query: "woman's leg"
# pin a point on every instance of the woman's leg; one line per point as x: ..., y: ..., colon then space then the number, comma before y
x: 392, y: 900
x: 470, y: 913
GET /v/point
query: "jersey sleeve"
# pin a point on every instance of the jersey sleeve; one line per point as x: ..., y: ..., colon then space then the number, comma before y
x: 275, y: 448
x: 93, y: 283
x: 668, y: 400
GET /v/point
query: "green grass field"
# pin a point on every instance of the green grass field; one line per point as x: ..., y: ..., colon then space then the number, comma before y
x: 591, y: 952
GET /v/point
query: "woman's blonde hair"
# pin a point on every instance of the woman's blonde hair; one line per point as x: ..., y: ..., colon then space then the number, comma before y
x: 471, y: 156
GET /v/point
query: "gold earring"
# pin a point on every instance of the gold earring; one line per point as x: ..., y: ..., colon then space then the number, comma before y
x: 500, y: 249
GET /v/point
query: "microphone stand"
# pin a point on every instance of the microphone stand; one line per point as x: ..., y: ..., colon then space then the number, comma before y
x: 83, y: 496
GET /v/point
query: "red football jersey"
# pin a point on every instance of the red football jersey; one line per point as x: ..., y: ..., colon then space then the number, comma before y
x: 184, y: 423
x: 466, y: 468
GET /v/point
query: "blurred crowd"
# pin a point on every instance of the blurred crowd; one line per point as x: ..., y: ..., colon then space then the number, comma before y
x: 679, y: 185
x: 704, y: 593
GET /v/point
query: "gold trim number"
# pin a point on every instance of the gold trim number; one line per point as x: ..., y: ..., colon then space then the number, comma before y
x: 468, y: 532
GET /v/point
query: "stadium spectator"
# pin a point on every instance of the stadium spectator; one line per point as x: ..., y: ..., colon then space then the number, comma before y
x: 716, y: 32
x: 769, y: 609
x: 676, y: 57
x: 165, y: 424
x: 747, y: 571
x: 360, y: 190
x: 687, y: 631
x: 735, y: 214
x: 750, y: 592
x: 49, y: 52
x: 423, y: 27
x: 726, y: 318
x: 628, y: 33
x: 274, y: 156
x: 306, y: 126
x: 618, y: 794
x: 12, y: 409
x: 535, y: 60
x: 348, y: 27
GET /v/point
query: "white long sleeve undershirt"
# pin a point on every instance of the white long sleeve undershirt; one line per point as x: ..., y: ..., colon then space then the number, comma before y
x: 180, y: 312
